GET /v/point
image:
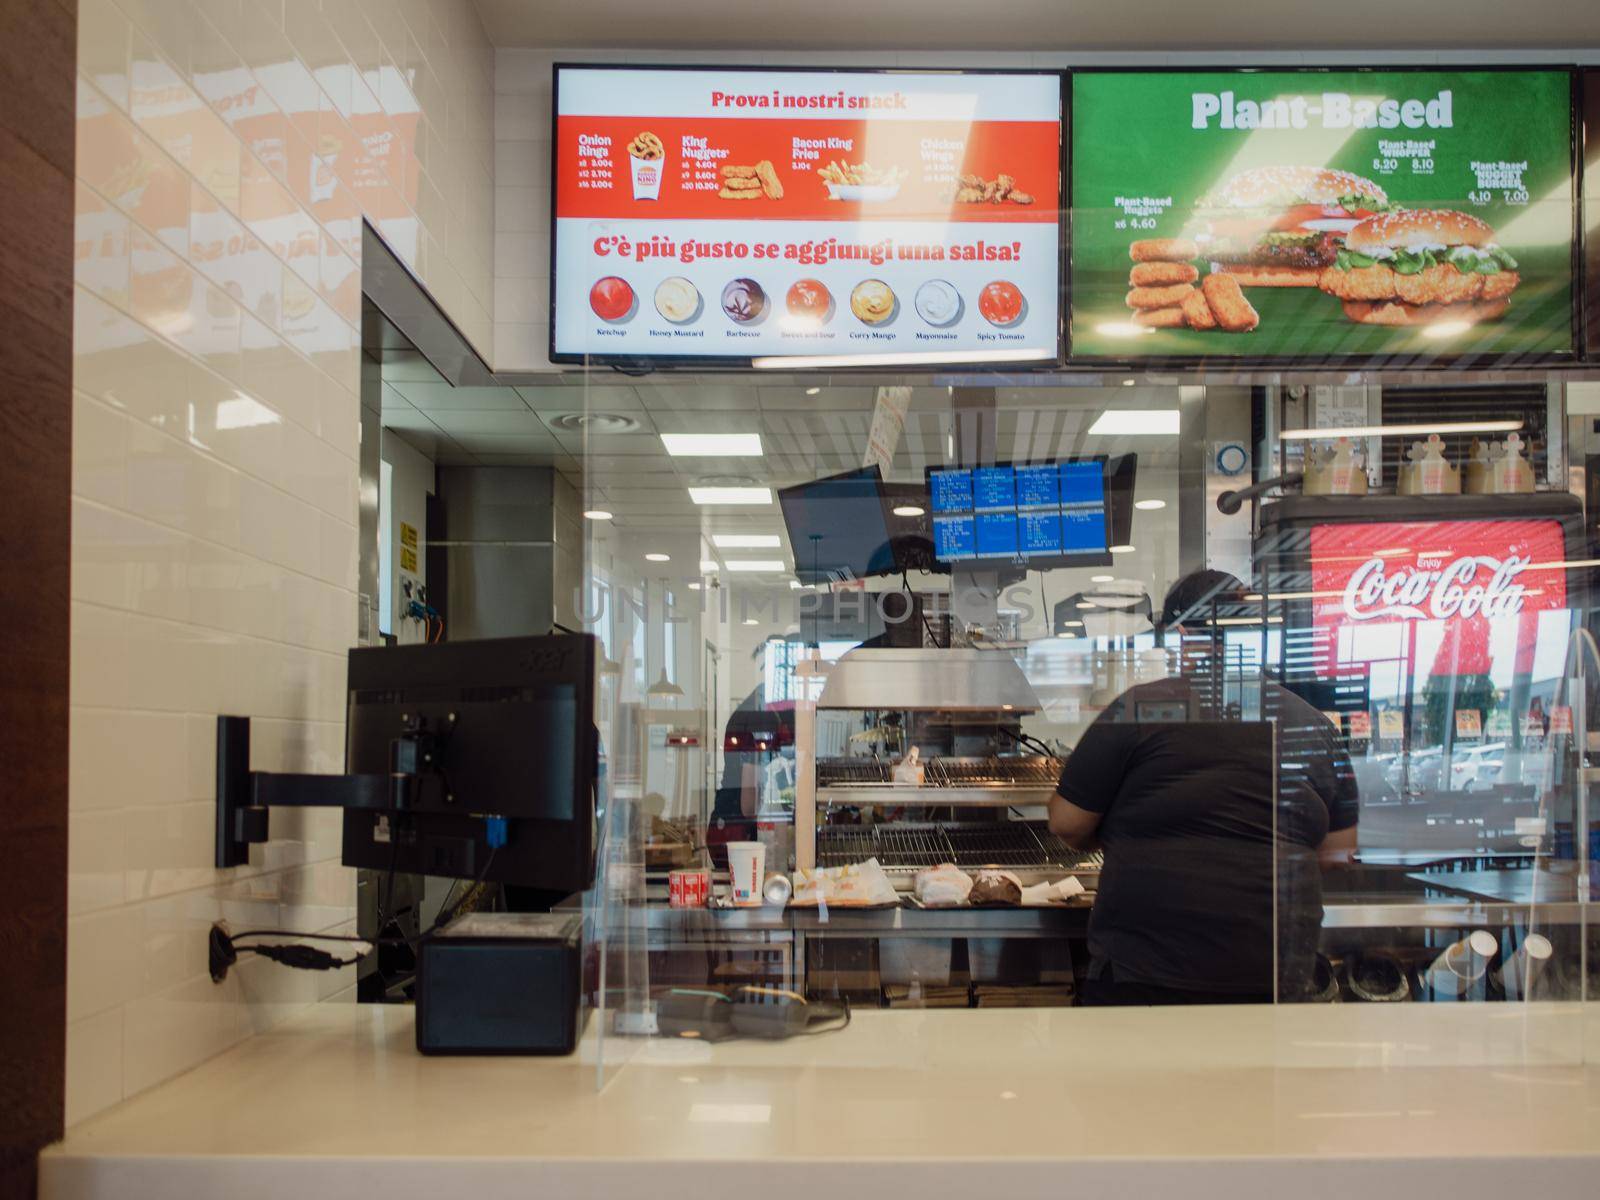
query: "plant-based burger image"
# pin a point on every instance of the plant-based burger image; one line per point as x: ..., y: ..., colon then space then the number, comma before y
x: 1417, y: 266
x: 1280, y: 226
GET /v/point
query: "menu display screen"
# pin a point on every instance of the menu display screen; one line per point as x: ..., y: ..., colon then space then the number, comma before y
x: 1040, y: 514
x: 744, y: 214
x: 1270, y: 215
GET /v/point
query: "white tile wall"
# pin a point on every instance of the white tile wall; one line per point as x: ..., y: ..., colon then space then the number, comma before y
x: 227, y: 153
x: 522, y: 131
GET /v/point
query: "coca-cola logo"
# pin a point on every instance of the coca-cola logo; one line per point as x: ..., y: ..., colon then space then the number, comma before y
x: 1454, y: 589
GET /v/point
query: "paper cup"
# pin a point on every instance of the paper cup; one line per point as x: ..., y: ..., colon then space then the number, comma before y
x: 646, y: 177
x: 747, y: 868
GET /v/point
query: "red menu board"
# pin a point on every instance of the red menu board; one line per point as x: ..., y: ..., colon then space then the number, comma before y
x: 742, y: 214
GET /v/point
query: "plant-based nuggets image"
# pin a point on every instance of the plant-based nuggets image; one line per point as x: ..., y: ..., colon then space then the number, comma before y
x: 1163, y: 250
x: 1161, y: 318
x: 1162, y: 274
x: 1416, y: 266
x: 1197, y: 312
x: 1233, y: 312
x: 1158, y: 297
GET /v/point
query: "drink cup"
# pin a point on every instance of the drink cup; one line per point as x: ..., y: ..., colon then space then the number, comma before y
x: 747, y: 868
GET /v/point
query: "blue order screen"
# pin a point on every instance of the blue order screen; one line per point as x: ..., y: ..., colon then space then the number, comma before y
x: 954, y: 538
x: 1036, y: 511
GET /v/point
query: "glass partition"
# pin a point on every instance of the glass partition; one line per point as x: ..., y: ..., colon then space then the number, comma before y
x: 1324, y: 755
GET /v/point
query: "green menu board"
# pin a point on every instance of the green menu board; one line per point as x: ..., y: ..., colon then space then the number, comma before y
x: 1400, y: 216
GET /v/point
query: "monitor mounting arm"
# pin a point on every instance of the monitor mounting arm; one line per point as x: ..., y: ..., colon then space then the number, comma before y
x: 245, y: 796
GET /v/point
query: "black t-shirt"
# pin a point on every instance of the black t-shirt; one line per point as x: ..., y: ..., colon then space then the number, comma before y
x: 1186, y: 806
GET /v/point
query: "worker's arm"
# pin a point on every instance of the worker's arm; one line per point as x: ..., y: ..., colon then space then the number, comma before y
x: 1073, y: 825
x: 1338, y: 847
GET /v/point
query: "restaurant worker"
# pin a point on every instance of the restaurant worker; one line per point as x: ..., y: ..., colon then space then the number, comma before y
x: 1183, y: 808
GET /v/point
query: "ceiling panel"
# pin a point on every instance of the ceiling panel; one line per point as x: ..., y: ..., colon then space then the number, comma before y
x: 518, y: 423
x: 441, y: 396
x: 568, y: 398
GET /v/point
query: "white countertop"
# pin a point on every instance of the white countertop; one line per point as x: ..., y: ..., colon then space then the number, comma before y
x: 1226, y: 1102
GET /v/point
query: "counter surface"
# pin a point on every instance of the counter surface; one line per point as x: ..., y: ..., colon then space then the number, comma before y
x: 1214, y: 1102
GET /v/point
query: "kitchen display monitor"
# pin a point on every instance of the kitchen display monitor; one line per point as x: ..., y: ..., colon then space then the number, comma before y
x: 1037, y: 515
x: 746, y: 215
x: 1327, y: 215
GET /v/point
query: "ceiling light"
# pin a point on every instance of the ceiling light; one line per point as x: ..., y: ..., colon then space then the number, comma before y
x: 909, y: 510
x: 1073, y: 624
x: 751, y: 621
x: 744, y: 541
x: 1127, y: 383
x: 813, y: 391
x: 1149, y: 505
x: 1063, y: 634
x: 1124, y: 549
x: 664, y: 688
x: 731, y: 495
x: 657, y: 557
x: 1122, y: 329
x: 1087, y: 604
x: 795, y: 585
x: 712, y: 445
x: 1101, y: 578
x: 1446, y: 329
x: 694, y: 587
x: 1132, y: 422
x: 757, y: 564
x: 597, y: 514
x: 708, y: 564
x: 1361, y: 431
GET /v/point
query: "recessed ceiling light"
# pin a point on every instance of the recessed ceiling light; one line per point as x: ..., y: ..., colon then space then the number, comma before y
x: 1063, y: 634
x: 708, y: 565
x: 744, y: 541
x: 757, y: 564
x: 694, y: 587
x: 1149, y: 505
x: 597, y: 514
x: 1133, y: 422
x: 751, y: 621
x: 731, y: 495
x: 1101, y: 578
x: 1070, y: 624
x: 657, y: 557
x: 1087, y: 604
x: 813, y: 391
x: 712, y: 445
x: 1127, y: 383
x: 1124, y: 549
x: 909, y: 510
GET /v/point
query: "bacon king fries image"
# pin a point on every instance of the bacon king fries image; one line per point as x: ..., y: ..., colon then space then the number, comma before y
x: 754, y: 212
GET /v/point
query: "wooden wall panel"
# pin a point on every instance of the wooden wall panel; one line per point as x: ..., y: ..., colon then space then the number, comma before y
x: 38, y: 69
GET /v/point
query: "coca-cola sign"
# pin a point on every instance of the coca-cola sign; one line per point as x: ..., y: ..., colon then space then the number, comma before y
x: 1436, y: 570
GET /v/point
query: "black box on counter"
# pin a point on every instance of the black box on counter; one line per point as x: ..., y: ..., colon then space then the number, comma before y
x: 501, y: 983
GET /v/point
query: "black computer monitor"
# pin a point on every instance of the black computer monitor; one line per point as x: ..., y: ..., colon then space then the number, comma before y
x: 839, y: 527
x: 1037, y: 516
x: 514, y: 737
